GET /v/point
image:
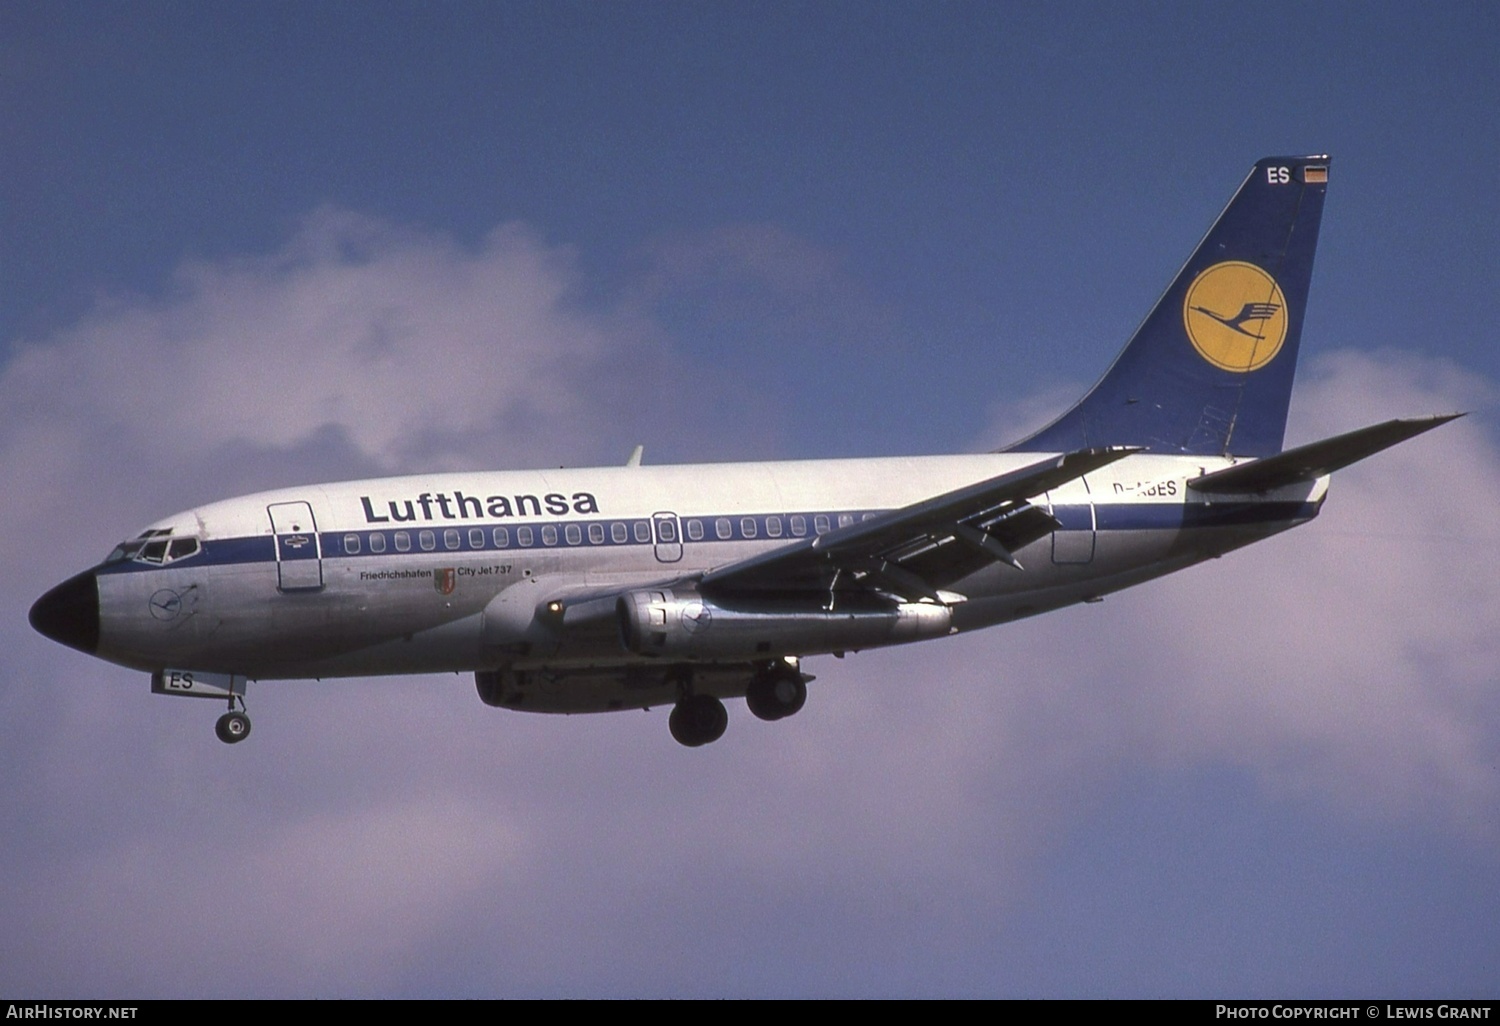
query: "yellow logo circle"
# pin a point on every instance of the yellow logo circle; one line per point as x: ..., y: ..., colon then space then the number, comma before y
x: 1235, y: 316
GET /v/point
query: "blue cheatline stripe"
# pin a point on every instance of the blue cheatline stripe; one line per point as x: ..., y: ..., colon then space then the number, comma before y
x: 471, y: 539
x: 1158, y: 517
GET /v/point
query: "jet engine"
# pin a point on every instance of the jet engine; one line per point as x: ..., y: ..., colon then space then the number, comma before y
x: 683, y: 624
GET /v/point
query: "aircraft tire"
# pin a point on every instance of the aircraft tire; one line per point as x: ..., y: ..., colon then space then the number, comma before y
x: 776, y: 695
x: 698, y: 720
x: 233, y: 727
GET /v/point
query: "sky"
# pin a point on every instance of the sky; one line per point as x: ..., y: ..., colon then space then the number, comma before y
x: 253, y: 245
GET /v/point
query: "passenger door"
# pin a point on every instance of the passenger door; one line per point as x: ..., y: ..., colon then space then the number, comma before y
x: 299, y: 556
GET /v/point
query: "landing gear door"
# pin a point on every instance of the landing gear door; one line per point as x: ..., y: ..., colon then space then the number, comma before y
x: 667, y: 533
x: 299, y: 558
x: 1073, y: 542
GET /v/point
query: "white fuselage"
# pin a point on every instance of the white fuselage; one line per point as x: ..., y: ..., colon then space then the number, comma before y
x: 450, y: 572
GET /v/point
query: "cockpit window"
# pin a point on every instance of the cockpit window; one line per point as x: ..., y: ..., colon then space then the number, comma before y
x: 124, y: 551
x: 156, y: 548
x: 182, y: 548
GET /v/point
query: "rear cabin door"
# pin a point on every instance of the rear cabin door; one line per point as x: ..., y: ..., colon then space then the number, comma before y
x: 1073, y: 542
x: 299, y: 558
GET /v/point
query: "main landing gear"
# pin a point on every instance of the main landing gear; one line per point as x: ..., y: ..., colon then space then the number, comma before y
x: 698, y: 720
x: 777, y: 690
x: 234, y: 726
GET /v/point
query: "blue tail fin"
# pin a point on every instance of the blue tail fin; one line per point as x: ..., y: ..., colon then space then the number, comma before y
x: 1209, y: 371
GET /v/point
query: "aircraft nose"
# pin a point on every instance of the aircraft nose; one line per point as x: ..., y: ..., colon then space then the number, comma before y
x: 69, y: 613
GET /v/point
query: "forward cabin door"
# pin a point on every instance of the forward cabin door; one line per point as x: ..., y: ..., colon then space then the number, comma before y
x: 299, y: 557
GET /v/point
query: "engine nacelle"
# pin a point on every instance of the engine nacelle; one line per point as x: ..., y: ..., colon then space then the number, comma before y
x: 685, y: 625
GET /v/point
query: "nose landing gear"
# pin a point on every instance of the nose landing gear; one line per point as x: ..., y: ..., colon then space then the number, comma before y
x: 233, y: 727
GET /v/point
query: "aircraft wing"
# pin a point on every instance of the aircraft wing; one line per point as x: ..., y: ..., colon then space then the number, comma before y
x: 918, y: 549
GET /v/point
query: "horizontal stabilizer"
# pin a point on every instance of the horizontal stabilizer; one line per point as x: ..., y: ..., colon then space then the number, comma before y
x: 1312, y: 461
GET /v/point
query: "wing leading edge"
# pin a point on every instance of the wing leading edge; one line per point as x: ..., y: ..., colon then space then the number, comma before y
x: 915, y: 551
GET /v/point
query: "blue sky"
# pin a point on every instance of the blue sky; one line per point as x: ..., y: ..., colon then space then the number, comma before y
x: 251, y: 245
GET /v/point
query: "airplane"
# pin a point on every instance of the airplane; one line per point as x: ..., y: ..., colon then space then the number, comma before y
x: 635, y: 586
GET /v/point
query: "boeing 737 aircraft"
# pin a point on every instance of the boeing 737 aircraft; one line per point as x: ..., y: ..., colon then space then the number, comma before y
x: 628, y: 587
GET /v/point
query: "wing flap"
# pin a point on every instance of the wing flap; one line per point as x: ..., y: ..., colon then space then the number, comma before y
x: 916, y: 550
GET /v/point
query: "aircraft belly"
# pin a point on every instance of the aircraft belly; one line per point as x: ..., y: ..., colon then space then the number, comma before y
x: 611, y: 687
x: 407, y: 624
x: 234, y: 618
x: 1121, y: 559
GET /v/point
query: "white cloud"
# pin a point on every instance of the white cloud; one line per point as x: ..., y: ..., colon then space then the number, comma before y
x: 410, y: 346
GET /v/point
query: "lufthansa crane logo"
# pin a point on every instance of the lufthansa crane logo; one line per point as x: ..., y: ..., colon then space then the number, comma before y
x: 1235, y: 316
x: 166, y: 604
x: 696, y: 618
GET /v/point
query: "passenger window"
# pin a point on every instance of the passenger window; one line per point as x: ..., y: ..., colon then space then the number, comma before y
x: 695, y: 530
x: 524, y: 536
x: 845, y: 519
x: 666, y: 532
x: 868, y: 516
x: 427, y: 540
x: 476, y: 538
x: 820, y: 523
x: 377, y: 542
x: 747, y: 527
x: 451, y: 540
x: 799, y: 526
x: 403, y: 541
x: 619, y: 533
x: 573, y: 533
x: 773, y: 527
x: 722, y: 529
x: 351, y: 544
x: 642, y: 531
x: 549, y: 535
x: 596, y: 534
x: 501, y: 537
